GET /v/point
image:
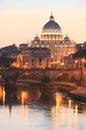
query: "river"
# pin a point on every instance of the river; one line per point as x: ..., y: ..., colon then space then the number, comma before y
x: 25, y: 109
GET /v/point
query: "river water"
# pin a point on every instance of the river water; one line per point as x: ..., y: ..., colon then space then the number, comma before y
x: 25, y: 109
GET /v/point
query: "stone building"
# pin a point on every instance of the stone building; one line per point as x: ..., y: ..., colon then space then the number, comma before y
x: 52, y: 38
x: 36, y: 58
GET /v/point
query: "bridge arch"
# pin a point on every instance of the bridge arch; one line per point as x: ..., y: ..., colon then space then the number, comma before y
x: 29, y: 75
x: 75, y: 74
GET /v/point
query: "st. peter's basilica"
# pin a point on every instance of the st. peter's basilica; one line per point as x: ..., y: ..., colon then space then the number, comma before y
x: 52, y: 38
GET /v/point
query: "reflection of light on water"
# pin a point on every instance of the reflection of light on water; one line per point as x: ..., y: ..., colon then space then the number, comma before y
x: 59, y: 116
x: 1, y: 92
x: 76, y: 117
x: 3, y: 96
x: 24, y: 97
x: 56, y: 110
x: 62, y: 112
x: 55, y: 118
x: 58, y: 100
x: 25, y: 113
x: 69, y: 124
x: 69, y: 102
x: 57, y: 103
x: 76, y: 110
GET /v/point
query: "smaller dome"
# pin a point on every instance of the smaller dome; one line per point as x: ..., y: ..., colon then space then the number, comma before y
x: 36, y: 38
x: 66, y: 39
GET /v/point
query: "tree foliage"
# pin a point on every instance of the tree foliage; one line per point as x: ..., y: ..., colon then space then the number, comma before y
x: 5, y: 62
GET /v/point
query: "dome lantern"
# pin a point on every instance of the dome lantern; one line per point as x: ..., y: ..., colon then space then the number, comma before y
x: 51, y: 17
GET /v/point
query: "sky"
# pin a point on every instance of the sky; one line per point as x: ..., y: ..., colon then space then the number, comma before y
x: 21, y: 20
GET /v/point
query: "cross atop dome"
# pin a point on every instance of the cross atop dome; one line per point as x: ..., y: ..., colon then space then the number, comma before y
x: 51, y: 17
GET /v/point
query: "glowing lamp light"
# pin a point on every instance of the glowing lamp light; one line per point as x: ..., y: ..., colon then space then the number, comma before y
x: 62, y: 64
x: 83, y: 60
x: 76, y: 61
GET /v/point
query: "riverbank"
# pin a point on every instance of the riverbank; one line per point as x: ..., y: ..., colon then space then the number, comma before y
x: 64, y: 87
x: 78, y: 94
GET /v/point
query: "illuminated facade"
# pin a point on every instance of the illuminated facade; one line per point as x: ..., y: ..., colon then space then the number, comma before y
x: 52, y: 38
x: 36, y: 58
x: 33, y: 57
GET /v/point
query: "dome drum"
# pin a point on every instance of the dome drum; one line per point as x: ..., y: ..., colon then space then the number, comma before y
x: 51, y: 37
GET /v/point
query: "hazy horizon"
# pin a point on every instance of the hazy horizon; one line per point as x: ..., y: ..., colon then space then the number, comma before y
x: 21, y: 20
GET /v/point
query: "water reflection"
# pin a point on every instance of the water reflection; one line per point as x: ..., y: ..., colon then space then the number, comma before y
x: 54, y: 113
x: 2, y: 94
x: 66, y: 115
x: 28, y: 94
x: 19, y: 95
x: 69, y: 102
x: 75, y: 117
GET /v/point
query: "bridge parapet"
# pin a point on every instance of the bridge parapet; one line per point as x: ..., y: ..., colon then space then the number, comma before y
x: 37, y: 74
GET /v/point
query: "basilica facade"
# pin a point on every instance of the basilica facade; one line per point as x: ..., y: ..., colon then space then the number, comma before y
x: 52, y: 38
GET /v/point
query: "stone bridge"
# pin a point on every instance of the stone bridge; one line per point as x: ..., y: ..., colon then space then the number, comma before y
x: 13, y: 75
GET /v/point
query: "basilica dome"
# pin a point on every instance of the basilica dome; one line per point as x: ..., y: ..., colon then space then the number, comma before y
x: 51, y: 30
x: 51, y: 26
